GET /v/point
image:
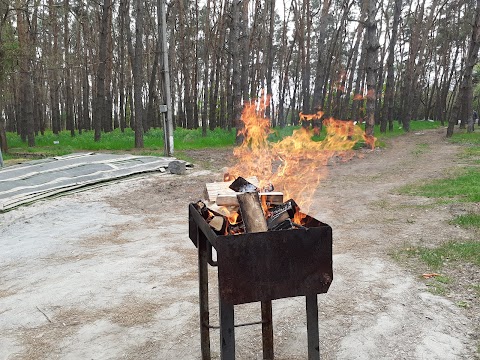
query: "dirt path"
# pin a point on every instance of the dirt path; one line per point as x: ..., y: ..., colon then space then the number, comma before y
x: 111, y: 274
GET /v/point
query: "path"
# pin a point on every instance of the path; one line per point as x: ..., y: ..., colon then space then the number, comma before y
x: 111, y: 274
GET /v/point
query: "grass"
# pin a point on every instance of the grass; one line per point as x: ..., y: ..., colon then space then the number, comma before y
x: 453, y: 253
x: 469, y: 221
x: 468, y: 251
x: 184, y: 139
x: 415, y: 126
x: 463, y: 187
x: 60, y: 144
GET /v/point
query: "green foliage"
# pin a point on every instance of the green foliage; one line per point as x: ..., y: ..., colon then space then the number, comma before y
x: 467, y: 221
x: 415, y: 126
x: 435, y: 258
x: 463, y: 187
x: 192, y: 139
x: 9, y: 50
x: 63, y: 143
x: 472, y: 138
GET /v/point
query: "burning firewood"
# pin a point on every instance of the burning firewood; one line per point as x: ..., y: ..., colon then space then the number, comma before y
x: 225, y: 193
x: 212, y: 190
x: 252, y: 212
x: 242, y: 185
x: 218, y: 223
x: 280, y: 217
x: 270, y: 198
x: 240, y: 207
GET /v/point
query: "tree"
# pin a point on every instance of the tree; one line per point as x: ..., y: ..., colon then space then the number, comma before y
x: 372, y: 47
x: 465, y: 95
x: 137, y: 72
x: 26, y: 86
x: 100, y: 103
x: 390, y: 84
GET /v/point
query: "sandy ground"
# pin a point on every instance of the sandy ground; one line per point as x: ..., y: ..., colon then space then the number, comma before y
x: 109, y: 273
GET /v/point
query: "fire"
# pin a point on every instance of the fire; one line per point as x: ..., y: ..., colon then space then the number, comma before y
x: 232, y: 216
x: 296, y: 164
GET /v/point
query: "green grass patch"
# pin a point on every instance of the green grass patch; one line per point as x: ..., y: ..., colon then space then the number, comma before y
x: 469, y: 221
x: 472, y: 152
x: 435, y: 258
x: 415, y: 126
x: 63, y: 143
x: 463, y: 187
x: 472, y: 138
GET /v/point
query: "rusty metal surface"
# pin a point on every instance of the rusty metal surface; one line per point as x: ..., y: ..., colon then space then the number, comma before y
x: 270, y: 265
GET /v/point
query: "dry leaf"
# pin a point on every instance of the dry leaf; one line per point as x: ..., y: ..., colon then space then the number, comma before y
x: 428, y: 276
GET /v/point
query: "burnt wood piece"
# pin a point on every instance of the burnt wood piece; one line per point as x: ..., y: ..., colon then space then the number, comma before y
x: 202, y: 209
x: 252, y: 212
x: 284, y: 225
x: 242, y: 185
x: 280, y: 214
x: 289, y: 206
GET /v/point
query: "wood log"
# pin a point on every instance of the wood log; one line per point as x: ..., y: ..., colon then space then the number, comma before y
x: 252, y: 212
x: 212, y: 190
x: 230, y: 199
x: 242, y: 185
x: 217, y: 223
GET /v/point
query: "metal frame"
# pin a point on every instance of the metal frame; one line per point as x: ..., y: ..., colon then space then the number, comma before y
x: 203, y: 237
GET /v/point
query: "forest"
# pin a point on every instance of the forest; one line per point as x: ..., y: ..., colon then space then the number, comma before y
x: 83, y: 65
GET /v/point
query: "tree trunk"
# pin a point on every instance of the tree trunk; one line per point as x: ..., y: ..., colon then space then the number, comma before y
x: 70, y: 123
x: 269, y: 55
x: 100, y: 103
x: 137, y: 72
x: 305, y: 50
x: 318, y: 100
x: 206, y: 60
x: 53, y: 71
x: 390, y: 85
x: 372, y: 47
x: 236, y: 73
x: 26, y: 88
x: 244, y: 50
x: 465, y: 95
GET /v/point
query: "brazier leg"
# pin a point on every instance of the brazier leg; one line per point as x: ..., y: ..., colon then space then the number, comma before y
x: 312, y: 328
x: 227, y: 331
x: 203, y: 295
x: 267, y: 330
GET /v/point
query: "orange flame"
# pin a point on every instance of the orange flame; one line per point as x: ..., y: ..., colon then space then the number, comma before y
x: 296, y: 164
x: 232, y: 216
x: 310, y: 117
